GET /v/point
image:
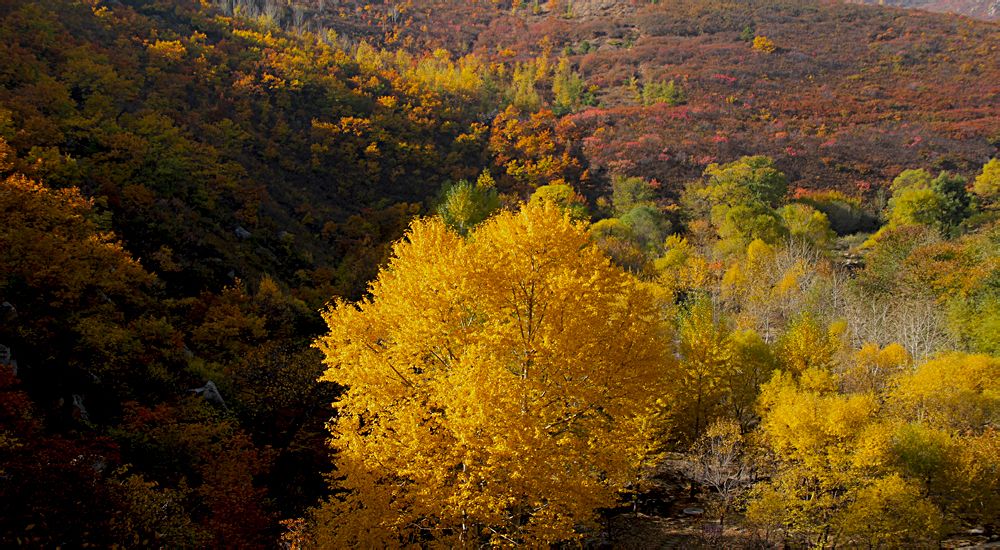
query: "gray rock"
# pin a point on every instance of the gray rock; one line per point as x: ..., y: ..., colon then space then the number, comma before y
x: 242, y: 233
x: 7, y: 358
x: 79, y: 410
x: 211, y: 394
x: 7, y: 312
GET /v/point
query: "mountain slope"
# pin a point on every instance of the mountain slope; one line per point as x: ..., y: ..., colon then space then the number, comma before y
x: 850, y: 96
x: 980, y: 9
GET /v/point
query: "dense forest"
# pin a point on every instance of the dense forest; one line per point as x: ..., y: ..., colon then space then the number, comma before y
x: 493, y: 273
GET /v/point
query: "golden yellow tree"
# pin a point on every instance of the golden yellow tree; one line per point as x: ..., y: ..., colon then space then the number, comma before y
x: 832, y: 484
x: 922, y: 444
x: 500, y: 387
x: 706, y: 358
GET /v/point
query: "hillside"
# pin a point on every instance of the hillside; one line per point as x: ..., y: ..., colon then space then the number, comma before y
x: 209, y: 183
x: 851, y: 95
x: 980, y: 9
x: 456, y: 222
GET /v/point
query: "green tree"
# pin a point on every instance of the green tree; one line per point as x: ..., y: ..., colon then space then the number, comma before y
x: 805, y: 223
x: 740, y: 199
x: 742, y: 224
x: 649, y: 226
x: 663, y: 92
x: 569, y: 90
x: 616, y: 239
x: 629, y: 192
x: 466, y: 205
x: 563, y: 196
x: 748, y: 180
x: 917, y: 199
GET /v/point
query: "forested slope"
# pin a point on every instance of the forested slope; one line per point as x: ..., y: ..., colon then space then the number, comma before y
x: 208, y: 184
x: 766, y: 207
x: 844, y: 96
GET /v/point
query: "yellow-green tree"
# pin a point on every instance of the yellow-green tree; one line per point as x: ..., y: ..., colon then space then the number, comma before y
x: 740, y: 200
x: 921, y: 444
x: 500, y: 387
x: 987, y: 184
x: 569, y: 90
x: 464, y: 204
x: 706, y: 356
x: 832, y: 484
x: 919, y: 199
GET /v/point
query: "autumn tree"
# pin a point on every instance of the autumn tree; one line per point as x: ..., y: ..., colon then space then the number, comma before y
x: 563, y: 196
x: 500, y: 386
x: 724, y: 461
x: 719, y: 374
x: 769, y: 286
x: 829, y: 486
x: 807, y: 224
x: 764, y: 44
x: 948, y: 442
x: 81, y: 300
x: 662, y: 92
x: 532, y: 150
x: 919, y: 199
x: 740, y: 199
x: 682, y: 269
x: 745, y: 181
x: 705, y: 357
x: 634, y: 203
x: 987, y: 185
x: 918, y: 441
x: 465, y: 204
x: 617, y: 240
x: 569, y: 90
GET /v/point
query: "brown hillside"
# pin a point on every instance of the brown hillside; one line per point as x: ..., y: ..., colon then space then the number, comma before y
x: 851, y: 96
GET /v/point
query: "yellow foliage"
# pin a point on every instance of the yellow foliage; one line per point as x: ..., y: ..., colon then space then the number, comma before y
x: 759, y: 254
x: 922, y: 446
x: 912, y: 519
x: 767, y: 286
x: 807, y: 344
x: 500, y: 386
x: 706, y: 357
x: 764, y: 44
x: 954, y: 391
x: 873, y: 367
x: 814, y: 433
x: 171, y: 50
x: 789, y: 282
x: 681, y: 267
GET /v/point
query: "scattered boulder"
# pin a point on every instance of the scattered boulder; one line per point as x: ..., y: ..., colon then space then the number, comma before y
x: 7, y: 312
x: 79, y: 410
x: 242, y: 233
x: 7, y: 358
x: 211, y: 394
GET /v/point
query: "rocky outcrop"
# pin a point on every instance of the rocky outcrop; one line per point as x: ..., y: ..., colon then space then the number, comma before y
x: 211, y: 394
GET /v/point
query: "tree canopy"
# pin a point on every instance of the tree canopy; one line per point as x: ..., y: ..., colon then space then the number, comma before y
x: 500, y: 387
